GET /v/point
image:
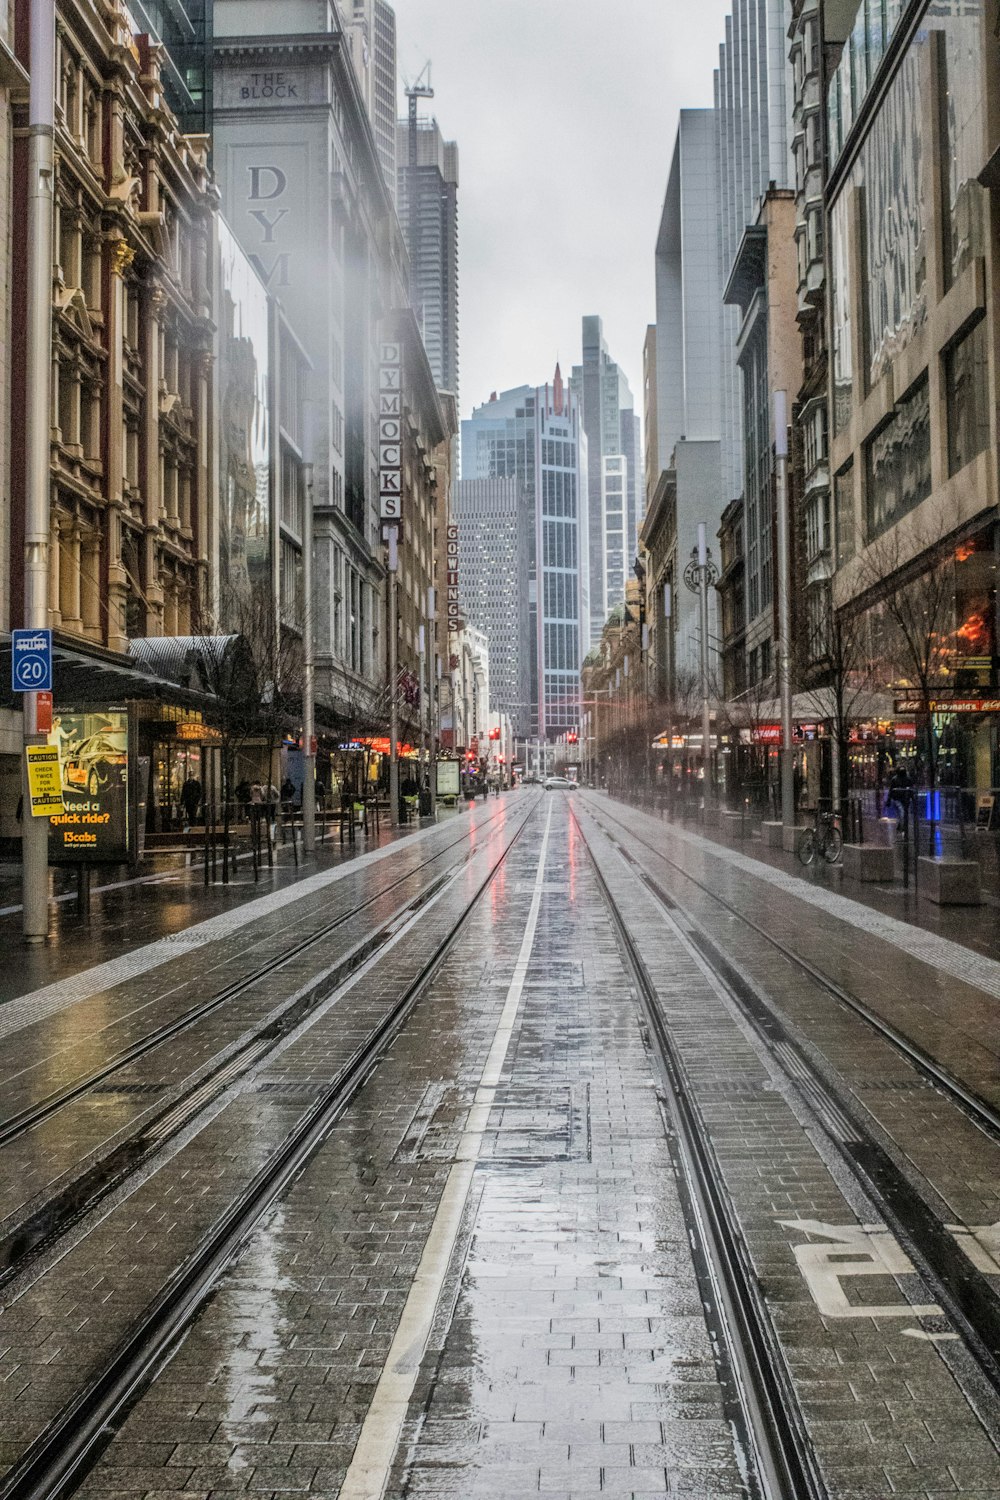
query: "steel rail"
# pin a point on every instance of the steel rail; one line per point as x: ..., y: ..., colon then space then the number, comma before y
x: 57, y: 1461
x: 964, y: 1293
x: 18, y: 1124
x: 772, y: 1424
x: 980, y: 1111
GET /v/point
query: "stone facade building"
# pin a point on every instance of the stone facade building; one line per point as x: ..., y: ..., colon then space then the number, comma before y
x: 914, y: 122
x: 304, y: 190
x: 131, y: 504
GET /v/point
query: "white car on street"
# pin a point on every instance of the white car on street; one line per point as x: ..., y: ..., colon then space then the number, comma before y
x: 559, y: 784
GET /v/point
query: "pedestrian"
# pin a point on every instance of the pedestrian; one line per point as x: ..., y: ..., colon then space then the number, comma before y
x: 409, y: 796
x: 190, y: 801
x: 897, y: 797
x: 287, y: 794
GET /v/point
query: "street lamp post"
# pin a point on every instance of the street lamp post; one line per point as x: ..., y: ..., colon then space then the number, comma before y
x: 38, y: 386
x: 308, y: 678
x: 433, y: 660
x: 698, y: 575
x: 392, y: 537
x: 784, y: 610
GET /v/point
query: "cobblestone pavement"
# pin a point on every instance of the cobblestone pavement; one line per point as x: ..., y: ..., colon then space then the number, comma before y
x: 130, y: 913
x: 483, y: 1283
x: 892, y: 1406
x: 563, y: 1349
x: 69, y: 1310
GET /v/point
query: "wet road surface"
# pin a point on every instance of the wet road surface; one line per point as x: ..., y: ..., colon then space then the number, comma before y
x: 492, y: 1277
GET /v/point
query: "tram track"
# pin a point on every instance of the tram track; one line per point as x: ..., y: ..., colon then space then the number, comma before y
x: 46, y: 1221
x: 765, y: 1410
x: 59, y: 1458
x: 978, y: 1110
x: 965, y: 1296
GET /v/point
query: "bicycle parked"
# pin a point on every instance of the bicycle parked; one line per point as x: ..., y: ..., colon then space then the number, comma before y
x: 825, y: 840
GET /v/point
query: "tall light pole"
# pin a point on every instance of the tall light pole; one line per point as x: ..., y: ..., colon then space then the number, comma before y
x: 308, y: 678
x: 433, y: 662
x: 392, y: 537
x: 698, y: 575
x: 784, y: 610
x: 706, y: 720
x: 38, y: 387
x: 668, y: 646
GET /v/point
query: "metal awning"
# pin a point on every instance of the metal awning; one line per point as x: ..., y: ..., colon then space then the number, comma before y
x: 100, y: 678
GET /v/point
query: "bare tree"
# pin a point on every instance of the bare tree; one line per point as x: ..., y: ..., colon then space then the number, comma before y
x: 845, y: 683
x: 252, y: 665
x: 910, y: 592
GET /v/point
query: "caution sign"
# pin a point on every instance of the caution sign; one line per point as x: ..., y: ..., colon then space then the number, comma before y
x: 44, y: 780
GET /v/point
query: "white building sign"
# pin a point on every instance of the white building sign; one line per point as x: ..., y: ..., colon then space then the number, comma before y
x: 451, y: 558
x: 390, y: 432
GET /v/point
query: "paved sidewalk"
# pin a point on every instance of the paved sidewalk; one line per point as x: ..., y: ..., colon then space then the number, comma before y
x: 975, y: 927
x: 128, y: 915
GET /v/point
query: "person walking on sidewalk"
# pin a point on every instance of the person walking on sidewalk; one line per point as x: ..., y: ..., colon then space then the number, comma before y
x: 190, y: 800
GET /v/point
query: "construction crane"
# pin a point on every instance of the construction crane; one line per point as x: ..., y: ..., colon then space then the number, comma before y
x: 421, y: 89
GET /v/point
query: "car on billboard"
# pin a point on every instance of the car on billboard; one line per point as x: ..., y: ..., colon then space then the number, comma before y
x: 96, y: 763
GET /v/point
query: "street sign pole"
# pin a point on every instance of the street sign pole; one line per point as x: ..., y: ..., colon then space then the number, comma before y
x: 38, y: 385
x: 308, y: 680
x: 784, y: 612
x: 392, y: 536
x: 432, y: 661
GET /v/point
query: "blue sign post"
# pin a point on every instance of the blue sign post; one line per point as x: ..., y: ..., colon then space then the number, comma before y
x: 31, y: 661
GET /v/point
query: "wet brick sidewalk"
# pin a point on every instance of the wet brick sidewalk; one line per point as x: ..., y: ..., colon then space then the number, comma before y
x: 568, y: 1353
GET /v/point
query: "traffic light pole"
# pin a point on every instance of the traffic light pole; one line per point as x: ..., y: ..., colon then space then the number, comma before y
x: 38, y: 385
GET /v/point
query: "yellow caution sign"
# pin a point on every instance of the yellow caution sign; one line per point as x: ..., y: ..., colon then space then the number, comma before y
x: 44, y: 780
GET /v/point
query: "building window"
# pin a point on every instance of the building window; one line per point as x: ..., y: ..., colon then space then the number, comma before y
x: 967, y: 396
x: 843, y: 502
x: 898, y: 462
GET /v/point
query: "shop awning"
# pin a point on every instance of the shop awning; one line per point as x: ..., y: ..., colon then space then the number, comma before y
x: 91, y: 679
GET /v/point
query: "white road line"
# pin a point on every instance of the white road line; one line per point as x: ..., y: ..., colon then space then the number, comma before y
x: 368, y: 1475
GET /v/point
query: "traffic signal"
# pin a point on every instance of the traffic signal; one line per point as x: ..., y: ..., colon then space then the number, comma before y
x: 494, y: 734
x: 572, y: 737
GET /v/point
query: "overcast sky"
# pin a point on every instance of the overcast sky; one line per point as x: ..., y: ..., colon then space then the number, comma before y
x: 565, y: 113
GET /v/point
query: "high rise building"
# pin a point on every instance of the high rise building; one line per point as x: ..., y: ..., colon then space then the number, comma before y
x: 685, y: 376
x: 535, y: 436
x: 370, y: 29
x: 184, y: 29
x: 493, y: 585
x: 607, y: 413
x: 427, y: 197
x: 753, y: 119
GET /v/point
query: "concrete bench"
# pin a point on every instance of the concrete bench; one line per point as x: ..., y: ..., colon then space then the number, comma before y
x: 949, y: 882
x: 735, y: 823
x: 869, y: 862
x: 770, y: 834
x: 790, y: 836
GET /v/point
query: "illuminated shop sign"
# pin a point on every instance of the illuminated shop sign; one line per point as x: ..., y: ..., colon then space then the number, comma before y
x: 451, y: 563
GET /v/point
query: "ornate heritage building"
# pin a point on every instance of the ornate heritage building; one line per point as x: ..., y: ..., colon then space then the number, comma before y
x: 132, y: 342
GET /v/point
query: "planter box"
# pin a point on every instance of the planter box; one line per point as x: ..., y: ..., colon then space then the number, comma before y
x: 771, y: 835
x: 736, y: 824
x: 949, y: 882
x: 869, y: 862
